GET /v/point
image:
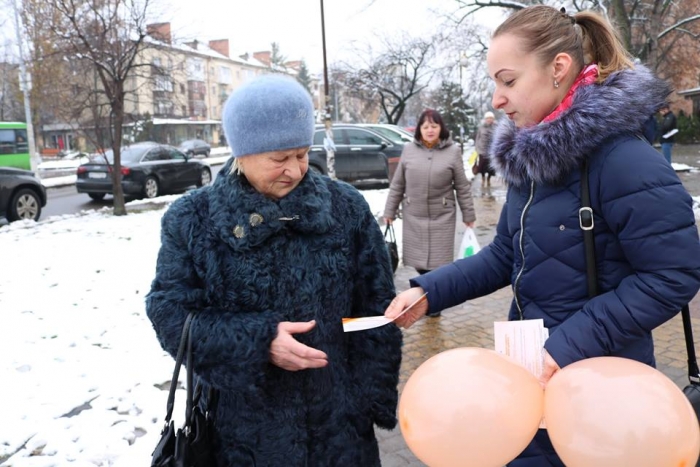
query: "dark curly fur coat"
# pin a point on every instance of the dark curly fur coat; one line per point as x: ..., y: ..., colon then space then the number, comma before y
x: 646, y: 239
x: 317, y: 254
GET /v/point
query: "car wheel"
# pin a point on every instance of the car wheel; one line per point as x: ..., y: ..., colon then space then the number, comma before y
x: 151, y: 189
x: 25, y: 204
x: 97, y: 196
x: 204, y: 177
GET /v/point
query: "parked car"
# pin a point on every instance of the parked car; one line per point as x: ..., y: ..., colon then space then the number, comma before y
x: 360, y: 153
x: 394, y: 133
x: 21, y: 194
x: 148, y: 170
x: 193, y: 147
x: 63, y: 162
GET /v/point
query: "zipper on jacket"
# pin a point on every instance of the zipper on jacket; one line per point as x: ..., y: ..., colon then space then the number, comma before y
x: 522, y: 250
x: 427, y: 201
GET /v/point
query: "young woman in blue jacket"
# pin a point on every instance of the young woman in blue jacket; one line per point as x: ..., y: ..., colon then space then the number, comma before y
x: 571, y: 93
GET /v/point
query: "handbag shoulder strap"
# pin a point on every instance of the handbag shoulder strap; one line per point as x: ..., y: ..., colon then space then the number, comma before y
x: 587, y: 224
x: 389, y: 230
x: 693, y: 371
x: 178, y: 363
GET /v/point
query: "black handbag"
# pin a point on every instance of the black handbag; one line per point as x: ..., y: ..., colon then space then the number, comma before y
x: 692, y: 390
x: 390, y: 240
x: 191, y: 445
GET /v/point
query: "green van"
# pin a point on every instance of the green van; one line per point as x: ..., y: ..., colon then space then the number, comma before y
x: 14, y: 149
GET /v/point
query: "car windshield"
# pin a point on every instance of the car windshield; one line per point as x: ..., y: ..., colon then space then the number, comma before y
x: 128, y: 154
x: 392, y: 135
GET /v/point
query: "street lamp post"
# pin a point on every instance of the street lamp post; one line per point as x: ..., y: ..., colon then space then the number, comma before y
x: 462, y: 63
x: 328, y: 141
x: 25, y: 84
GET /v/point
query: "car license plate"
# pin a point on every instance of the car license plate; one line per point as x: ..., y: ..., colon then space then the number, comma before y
x: 97, y: 175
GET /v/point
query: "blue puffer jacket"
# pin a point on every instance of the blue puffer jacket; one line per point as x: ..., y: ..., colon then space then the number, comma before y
x: 245, y: 263
x: 648, y: 254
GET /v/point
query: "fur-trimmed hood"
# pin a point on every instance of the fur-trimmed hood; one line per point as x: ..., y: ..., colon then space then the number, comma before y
x: 548, y: 152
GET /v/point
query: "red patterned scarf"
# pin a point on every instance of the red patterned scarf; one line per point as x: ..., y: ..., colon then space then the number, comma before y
x: 588, y: 75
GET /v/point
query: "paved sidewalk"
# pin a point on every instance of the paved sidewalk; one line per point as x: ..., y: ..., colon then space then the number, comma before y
x: 471, y: 325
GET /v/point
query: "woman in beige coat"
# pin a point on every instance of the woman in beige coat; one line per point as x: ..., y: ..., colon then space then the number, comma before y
x: 429, y: 173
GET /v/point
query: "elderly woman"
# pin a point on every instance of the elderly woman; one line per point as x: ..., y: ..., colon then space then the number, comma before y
x: 271, y: 258
x: 484, y: 136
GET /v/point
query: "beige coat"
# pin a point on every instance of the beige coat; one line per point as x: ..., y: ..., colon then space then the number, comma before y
x: 426, y: 181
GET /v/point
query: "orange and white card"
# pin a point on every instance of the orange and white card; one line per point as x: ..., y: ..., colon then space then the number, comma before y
x: 371, y: 322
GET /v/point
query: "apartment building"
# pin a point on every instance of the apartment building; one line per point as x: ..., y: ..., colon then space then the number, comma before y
x: 188, y: 85
x: 181, y: 93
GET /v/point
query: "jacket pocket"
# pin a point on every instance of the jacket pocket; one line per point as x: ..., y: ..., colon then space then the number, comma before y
x: 448, y: 202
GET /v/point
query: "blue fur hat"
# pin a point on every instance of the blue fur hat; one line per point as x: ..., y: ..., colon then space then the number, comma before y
x: 269, y: 113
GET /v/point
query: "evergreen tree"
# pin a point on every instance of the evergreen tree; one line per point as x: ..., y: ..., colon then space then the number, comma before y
x: 303, y: 76
x: 450, y: 101
x: 277, y: 60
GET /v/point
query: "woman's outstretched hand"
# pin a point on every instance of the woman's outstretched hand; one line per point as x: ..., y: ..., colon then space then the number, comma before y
x: 401, y: 302
x: 550, y: 367
x: 289, y: 354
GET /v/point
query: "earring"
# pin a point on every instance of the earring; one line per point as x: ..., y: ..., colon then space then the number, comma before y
x: 556, y: 83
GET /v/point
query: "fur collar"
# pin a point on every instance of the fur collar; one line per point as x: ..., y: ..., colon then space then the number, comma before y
x: 234, y: 204
x: 548, y: 152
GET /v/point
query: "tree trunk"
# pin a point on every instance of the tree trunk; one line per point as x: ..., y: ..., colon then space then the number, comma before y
x: 620, y: 18
x: 118, y: 109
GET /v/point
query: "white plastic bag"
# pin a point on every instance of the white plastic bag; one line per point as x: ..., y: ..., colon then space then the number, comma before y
x: 469, y: 246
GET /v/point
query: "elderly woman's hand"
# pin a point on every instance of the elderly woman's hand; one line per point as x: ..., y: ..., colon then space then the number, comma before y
x: 403, y: 300
x: 290, y: 354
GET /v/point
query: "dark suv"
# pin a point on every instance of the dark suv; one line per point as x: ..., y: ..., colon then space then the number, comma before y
x: 193, y: 147
x: 360, y: 154
x: 21, y: 194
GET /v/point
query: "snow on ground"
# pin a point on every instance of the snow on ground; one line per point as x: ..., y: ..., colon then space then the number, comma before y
x: 80, y: 365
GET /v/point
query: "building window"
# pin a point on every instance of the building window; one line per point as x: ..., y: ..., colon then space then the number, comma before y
x: 163, y: 83
x: 195, y: 69
x: 164, y: 108
x: 224, y: 75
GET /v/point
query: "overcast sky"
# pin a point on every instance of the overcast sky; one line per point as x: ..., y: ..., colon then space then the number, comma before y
x: 296, y: 25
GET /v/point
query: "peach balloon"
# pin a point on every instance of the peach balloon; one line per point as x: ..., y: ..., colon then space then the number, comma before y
x: 612, y: 412
x: 470, y: 407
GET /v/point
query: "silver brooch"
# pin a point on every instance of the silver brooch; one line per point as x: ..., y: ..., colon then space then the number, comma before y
x: 239, y: 231
x: 255, y: 219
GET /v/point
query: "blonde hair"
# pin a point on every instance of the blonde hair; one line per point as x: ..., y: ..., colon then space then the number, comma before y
x: 586, y: 36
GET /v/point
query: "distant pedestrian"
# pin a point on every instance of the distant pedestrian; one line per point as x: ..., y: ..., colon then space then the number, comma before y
x: 484, y: 136
x: 575, y: 101
x: 430, y: 181
x: 668, y: 131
